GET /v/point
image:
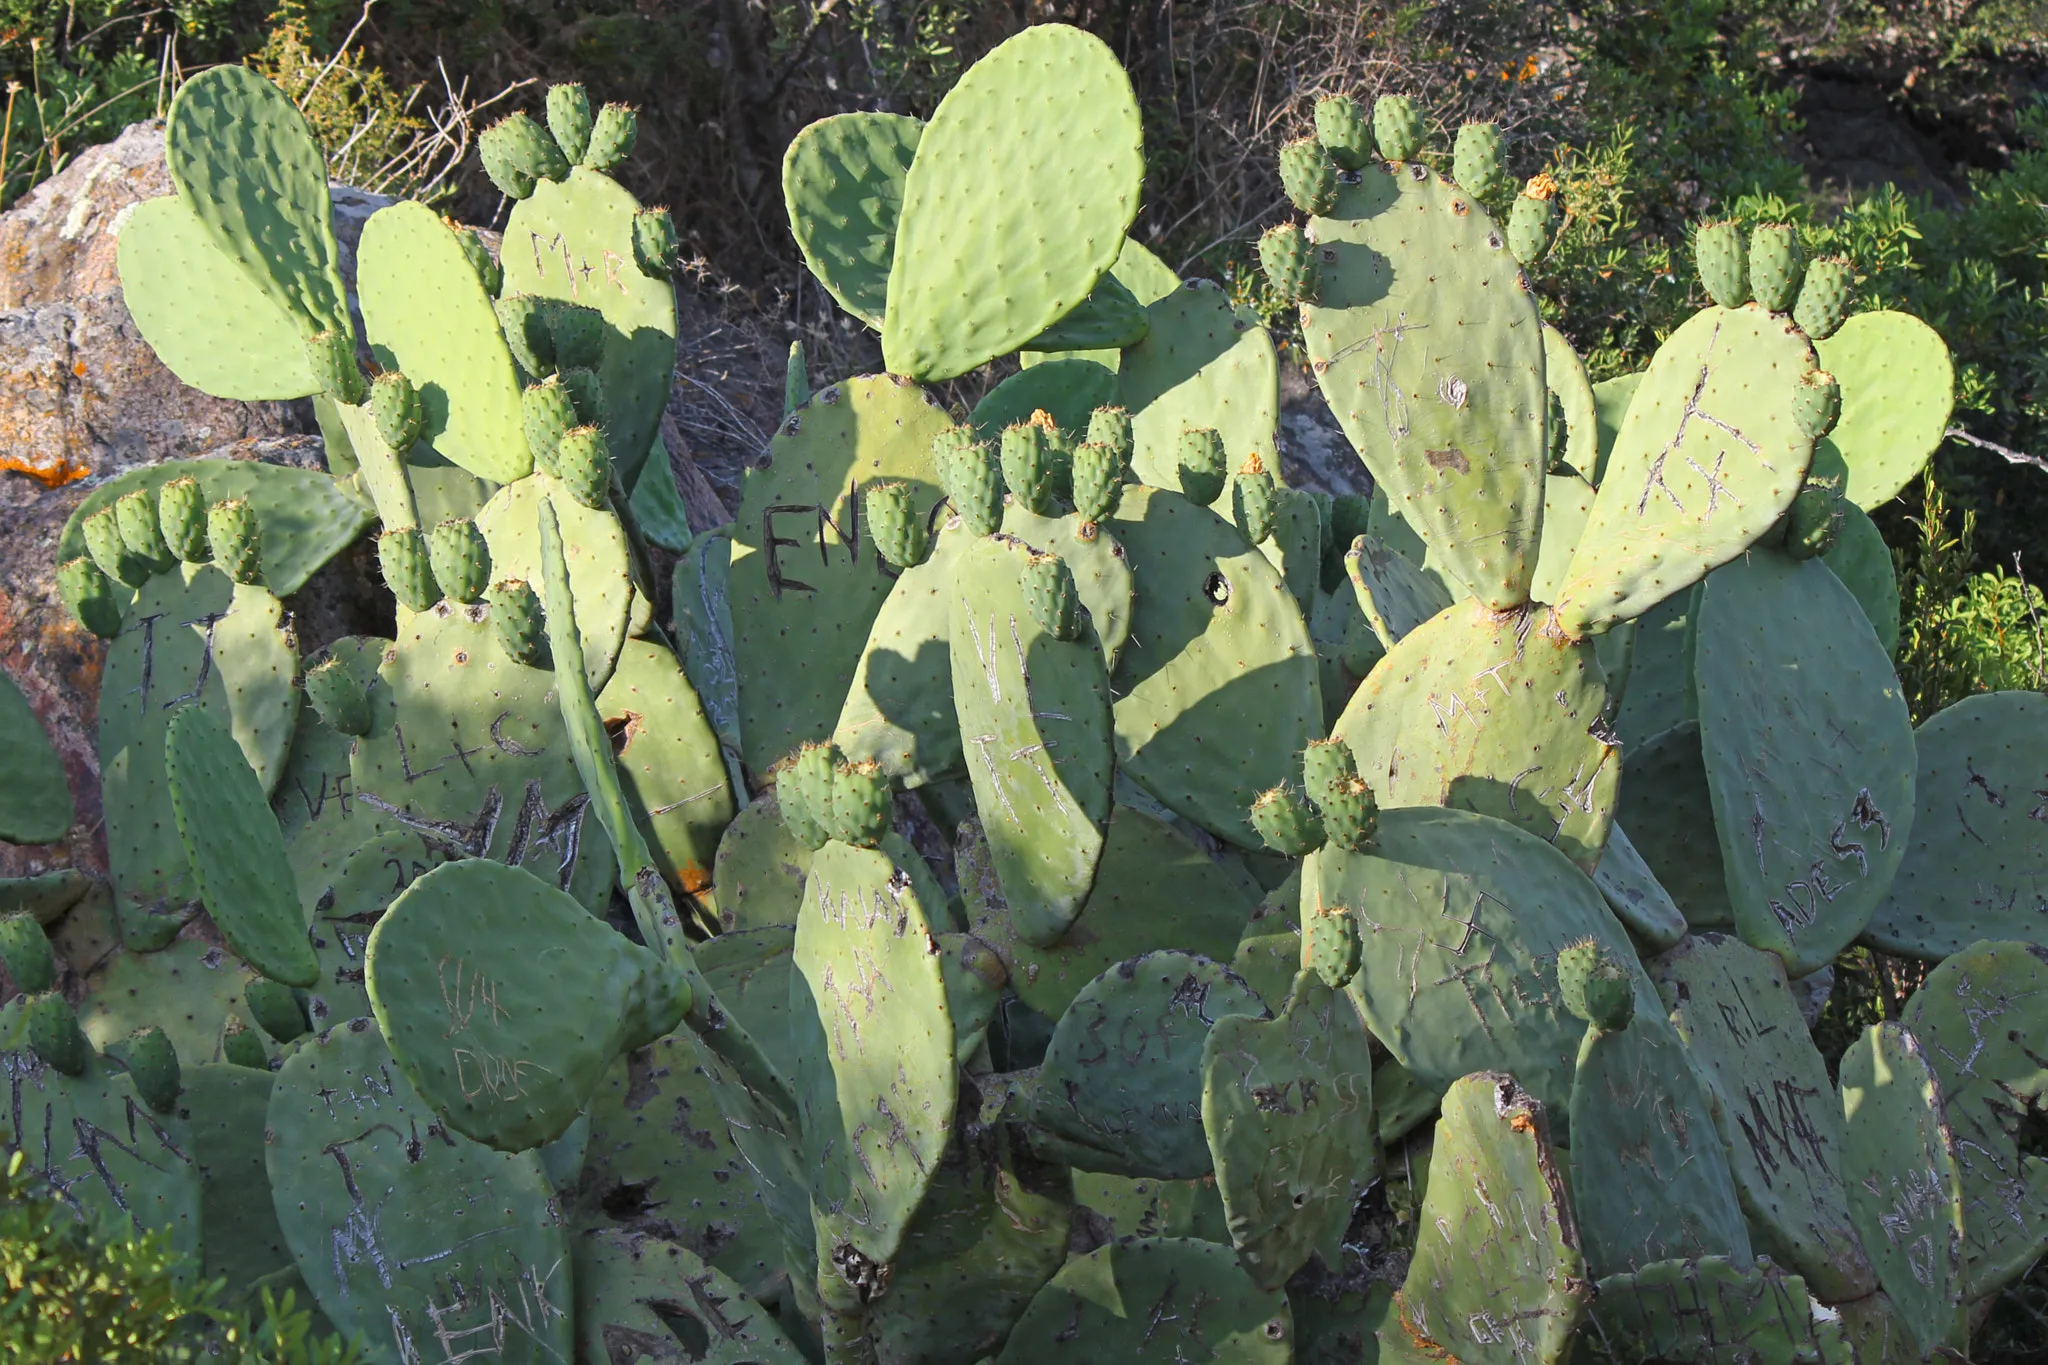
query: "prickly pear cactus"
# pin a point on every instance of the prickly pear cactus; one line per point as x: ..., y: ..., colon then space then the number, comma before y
x: 35, y: 796
x: 1154, y: 1301
x: 638, y: 1293
x: 1898, y: 388
x: 670, y: 763
x: 1202, y: 364
x: 842, y: 182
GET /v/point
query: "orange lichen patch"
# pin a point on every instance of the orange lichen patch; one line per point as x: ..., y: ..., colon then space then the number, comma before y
x: 696, y: 877
x: 78, y: 368
x: 51, y: 474
x: 1522, y: 1123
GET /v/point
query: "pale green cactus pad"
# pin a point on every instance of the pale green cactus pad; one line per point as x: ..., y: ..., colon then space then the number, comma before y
x: 1905, y: 1188
x: 985, y: 262
x: 1777, y: 1113
x: 1635, y: 895
x: 1972, y: 865
x: 1202, y: 364
x: 1611, y: 398
x: 1503, y: 1281
x: 760, y: 868
x: 1564, y: 374
x: 226, y: 1107
x: 405, y: 1232
x: 1427, y: 343
x: 899, y: 702
x: 656, y: 1300
x: 188, y: 990
x: 1714, y: 1311
x: 1567, y: 503
x: 806, y: 583
x: 1898, y: 387
x: 35, y: 796
x: 1154, y: 1208
x: 1102, y: 571
x: 1668, y: 809
x: 1708, y: 458
x: 1154, y: 1301
x: 1494, y: 712
x: 599, y: 560
x: 1808, y: 752
x: 1393, y: 592
x: 669, y: 762
x: 1863, y: 562
x: 842, y: 182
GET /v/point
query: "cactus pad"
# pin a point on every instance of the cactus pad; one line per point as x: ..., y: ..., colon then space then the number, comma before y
x: 1634, y: 894
x: 899, y: 702
x: 1154, y: 1301
x: 637, y: 1293
x: 669, y: 763
x: 842, y: 182
x: 35, y: 795
x: 1202, y: 365
x: 599, y: 560
x: 1898, y: 387
x: 1394, y: 594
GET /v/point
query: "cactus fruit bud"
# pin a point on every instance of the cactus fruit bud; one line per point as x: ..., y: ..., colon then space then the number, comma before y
x: 1824, y: 297
x: 338, y: 697
x: 1476, y: 160
x: 583, y: 462
x: 90, y: 595
x: 1051, y: 596
x: 489, y: 273
x: 974, y: 485
x: 803, y: 791
x: 1255, y: 500
x: 1060, y: 446
x: 796, y: 386
x: 1774, y: 266
x: 860, y: 805
x: 103, y: 542
x: 1595, y: 987
x: 948, y: 444
x: 333, y: 358
x: 1397, y: 127
x: 237, y: 539
x: 396, y: 405
x: 1350, y: 815
x: 181, y: 513
x: 902, y: 537
x: 1203, y: 465
x: 1813, y: 522
x: 569, y: 119
x: 153, y: 1066
x: 1816, y: 403
x: 1532, y: 222
x: 135, y: 515
x: 1112, y: 427
x: 578, y: 334
x: 1309, y: 176
x: 523, y: 318
x: 1723, y: 264
x: 25, y: 952
x: 655, y: 244
x: 402, y: 555
x: 1028, y: 466
x: 1332, y: 946
x: 1340, y: 127
x: 611, y: 137
x: 54, y: 1033
x: 586, y: 394
x: 1289, y: 260
x: 277, y: 1009
x: 547, y: 412
x: 1325, y: 763
x: 1098, y: 481
x: 521, y: 626
x: 239, y: 1046
x: 461, y: 560
x: 1287, y: 822
x: 518, y: 153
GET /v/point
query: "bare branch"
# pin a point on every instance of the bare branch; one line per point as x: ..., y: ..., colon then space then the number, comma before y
x: 2006, y: 453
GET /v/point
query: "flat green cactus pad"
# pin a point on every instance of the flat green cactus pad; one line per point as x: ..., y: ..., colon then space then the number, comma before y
x: 1905, y: 1187
x: 669, y: 764
x: 875, y: 1068
x: 1492, y: 712
x: 1809, y: 755
x: 1898, y: 387
x: 1611, y: 399
x: 1635, y: 895
x: 1659, y: 675
x: 427, y: 314
x: 842, y: 182
x: 225, y: 1108
x: 1714, y: 1311
x: 315, y: 804
x: 806, y: 583
x: 572, y: 240
x: 1427, y: 342
x: 1202, y: 364
x: 188, y: 990
x: 1102, y: 571
x: 1564, y: 374
x: 1970, y: 869
x: 1978, y: 1020
x: 1567, y: 503
x: 1503, y: 1280
x: 1708, y: 458
x: 1773, y: 1105
x: 1154, y: 1301
x: 985, y: 262
x: 404, y: 1231
x: 703, y: 627
x: 1863, y: 562
x: 345, y: 909
x: 466, y: 972
x: 1212, y: 621
x: 750, y: 969
x: 760, y: 869
x: 1034, y: 716
x: 1462, y: 916
x: 1154, y: 1208
x: 1393, y: 592
x: 1138, y: 1111
x: 899, y: 703
x: 1667, y: 809
x: 649, y: 1299
x: 1287, y: 1106
x: 35, y: 796
x: 1068, y: 389
x: 593, y: 543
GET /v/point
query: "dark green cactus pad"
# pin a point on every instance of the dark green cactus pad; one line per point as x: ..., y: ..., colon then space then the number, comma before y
x: 1461, y: 449
x: 1863, y: 562
x: 1905, y: 1186
x: 187, y: 989
x: 760, y: 868
x: 641, y: 1298
x: 1898, y: 388
x: 1034, y: 717
x: 468, y: 970
x: 875, y: 1072
x: 670, y: 764
x: 225, y: 1109
x: 1202, y: 364
x: 1978, y: 1020
x: 1659, y: 683
x: 1481, y: 993
x: 842, y: 184
x: 1667, y: 808
x: 703, y: 628
x: 985, y: 263
x: 404, y: 1231
x: 235, y: 850
x: 1503, y: 1279
x: 572, y: 240
x: 1347, y: 647
x: 806, y: 583
x: 1496, y: 713
x: 599, y: 559
x: 1809, y: 755
x: 1067, y: 389
x: 1650, y: 1178
x: 1213, y: 621
x: 1713, y: 1311
x: 1395, y: 595
x: 1707, y: 459
x: 1287, y: 1106
x: 1635, y: 895
x: 346, y: 903
x: 1970, y: 867
x: 427, y: 314
x: 1154, y: 1301
x: 1137, y: 1111
x: 1269, y: 961
x: 35, y: 796
x: 1102, y: 572
x: 1777, y: 1114
x: 1136, y: 1207
x: 899, y: 704
x: 316, y: 809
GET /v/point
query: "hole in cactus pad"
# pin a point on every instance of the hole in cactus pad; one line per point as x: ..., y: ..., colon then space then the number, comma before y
x: 1216, y: 589
x: 684, y: 1325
